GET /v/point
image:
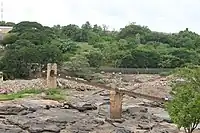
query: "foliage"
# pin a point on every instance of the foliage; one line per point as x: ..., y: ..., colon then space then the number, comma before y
x: 26, y: 26
x: 95, y: 58
x: 66, y: 45
x: 34, y: 32
x: 9, y: 39
x: 184, y: 109
x: 133, y: 46
x: 77, y: 63
x: 78, y: 66
x: 19, y: 57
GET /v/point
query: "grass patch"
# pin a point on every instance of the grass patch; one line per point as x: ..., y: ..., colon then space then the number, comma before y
x: 20, y: 94
x: 55, y: 94
x: 52, y: 94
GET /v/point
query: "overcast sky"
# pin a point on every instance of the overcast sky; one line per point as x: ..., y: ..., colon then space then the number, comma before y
x: 159, y: 15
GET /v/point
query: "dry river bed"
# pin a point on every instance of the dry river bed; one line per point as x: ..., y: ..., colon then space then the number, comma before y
x: 84, y: 112
x: 87, y: 108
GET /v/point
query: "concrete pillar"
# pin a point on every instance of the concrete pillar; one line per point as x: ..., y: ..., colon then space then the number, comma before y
x: 115, y: 104
x: 1, y: 76
x: 52, y: 75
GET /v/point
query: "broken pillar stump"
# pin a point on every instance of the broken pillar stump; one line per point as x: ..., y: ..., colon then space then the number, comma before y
x: 52, y: 75
x: 115, y: 104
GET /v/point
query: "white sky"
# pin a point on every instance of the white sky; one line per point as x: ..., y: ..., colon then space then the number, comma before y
x: 159, y: 15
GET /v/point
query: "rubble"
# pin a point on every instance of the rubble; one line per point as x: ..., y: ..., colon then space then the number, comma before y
x: 9, y: 86
x: 68, y: 84
x: 153, y: 85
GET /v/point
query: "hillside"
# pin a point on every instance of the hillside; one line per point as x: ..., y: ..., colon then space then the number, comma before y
x: 83, y: 108
x: 134, y: 46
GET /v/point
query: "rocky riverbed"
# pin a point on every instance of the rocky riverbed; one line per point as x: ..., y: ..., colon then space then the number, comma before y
x: 148, y: 84
x: 83, y: 112
x: 86, y: 110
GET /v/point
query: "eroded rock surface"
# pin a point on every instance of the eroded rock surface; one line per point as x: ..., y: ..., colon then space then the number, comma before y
x: 34, y: 117
x: 47, y: 116
x: 86, y: 112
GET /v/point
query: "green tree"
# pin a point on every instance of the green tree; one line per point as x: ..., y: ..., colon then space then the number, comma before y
x: 26, y: 25
x: 57, y: 30
x: 93, y: 38
x: 97, y: 29
x: 66, y: 45
x: 132, y: 30
x: 109, y: 51
x: 35, y: 36
x: 21, y: 55
x: 77, y: 63
x: 16, y: 62
x: 19, y: 44
x: 9, y: 39
x: 185, y: 56
x: 71, y: 31
x: 133, y: 46
x: 34, y: 32
x: 95, y: 58
x: 184, y: 109
x: 78, y: 66
x: 123, y: 44
x: 48, y: 53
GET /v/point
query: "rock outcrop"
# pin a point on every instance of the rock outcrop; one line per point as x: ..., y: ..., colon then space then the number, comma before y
x: 47, y: 116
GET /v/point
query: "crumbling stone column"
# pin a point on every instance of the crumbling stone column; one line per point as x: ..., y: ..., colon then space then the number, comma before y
x: 115, y: 104
x: 52, y: 75
x: 1, y: 76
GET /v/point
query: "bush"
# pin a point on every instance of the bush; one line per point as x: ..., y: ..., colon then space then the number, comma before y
x: 184, y: 109
x: 95, y: 58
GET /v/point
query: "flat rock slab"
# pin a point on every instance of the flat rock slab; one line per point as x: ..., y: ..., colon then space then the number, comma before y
x: 39, y: 103
x: 33, y: 116
x: 52, y: 120
x: 10, y: 129
x: 10, y: 109
x: 47, y: 116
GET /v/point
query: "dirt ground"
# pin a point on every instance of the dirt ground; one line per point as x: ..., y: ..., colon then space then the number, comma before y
x: 33, y: 115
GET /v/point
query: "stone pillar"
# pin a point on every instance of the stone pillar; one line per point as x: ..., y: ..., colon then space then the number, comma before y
x: 115, y: 104
x: 1, y: 76
x: 52, y: 75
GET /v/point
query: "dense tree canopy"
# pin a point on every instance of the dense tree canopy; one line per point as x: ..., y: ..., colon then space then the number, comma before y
x: 133, y: 46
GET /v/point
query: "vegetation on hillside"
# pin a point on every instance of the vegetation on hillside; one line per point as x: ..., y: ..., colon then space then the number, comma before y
x: 134, y: 46
x: 29, y: 46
